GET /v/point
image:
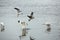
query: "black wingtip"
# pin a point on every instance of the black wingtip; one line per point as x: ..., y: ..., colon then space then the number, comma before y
x: 31, y: 13
x: 16, y: 8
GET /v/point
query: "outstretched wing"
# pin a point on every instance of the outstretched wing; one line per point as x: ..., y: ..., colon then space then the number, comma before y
x: 18, y: 10
x: 31, y: 13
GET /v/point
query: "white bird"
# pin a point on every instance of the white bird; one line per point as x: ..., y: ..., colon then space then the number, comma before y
x: 23, y: 24
x: 48, y: 24
x: 24, y: 30
x: 2, y: 26
x: 30, y: 16
x: 18, y: 11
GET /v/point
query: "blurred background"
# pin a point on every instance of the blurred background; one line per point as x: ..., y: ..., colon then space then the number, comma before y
x: 44, y: 11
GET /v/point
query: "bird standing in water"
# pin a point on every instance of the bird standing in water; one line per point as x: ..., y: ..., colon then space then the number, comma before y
x: 2, y: 26
x: 18, y: 11
x: 24, y: 28
x: 31, y: 16
x: 48, y: 26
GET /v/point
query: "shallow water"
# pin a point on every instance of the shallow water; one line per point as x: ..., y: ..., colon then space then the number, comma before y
x: 43, y: 12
